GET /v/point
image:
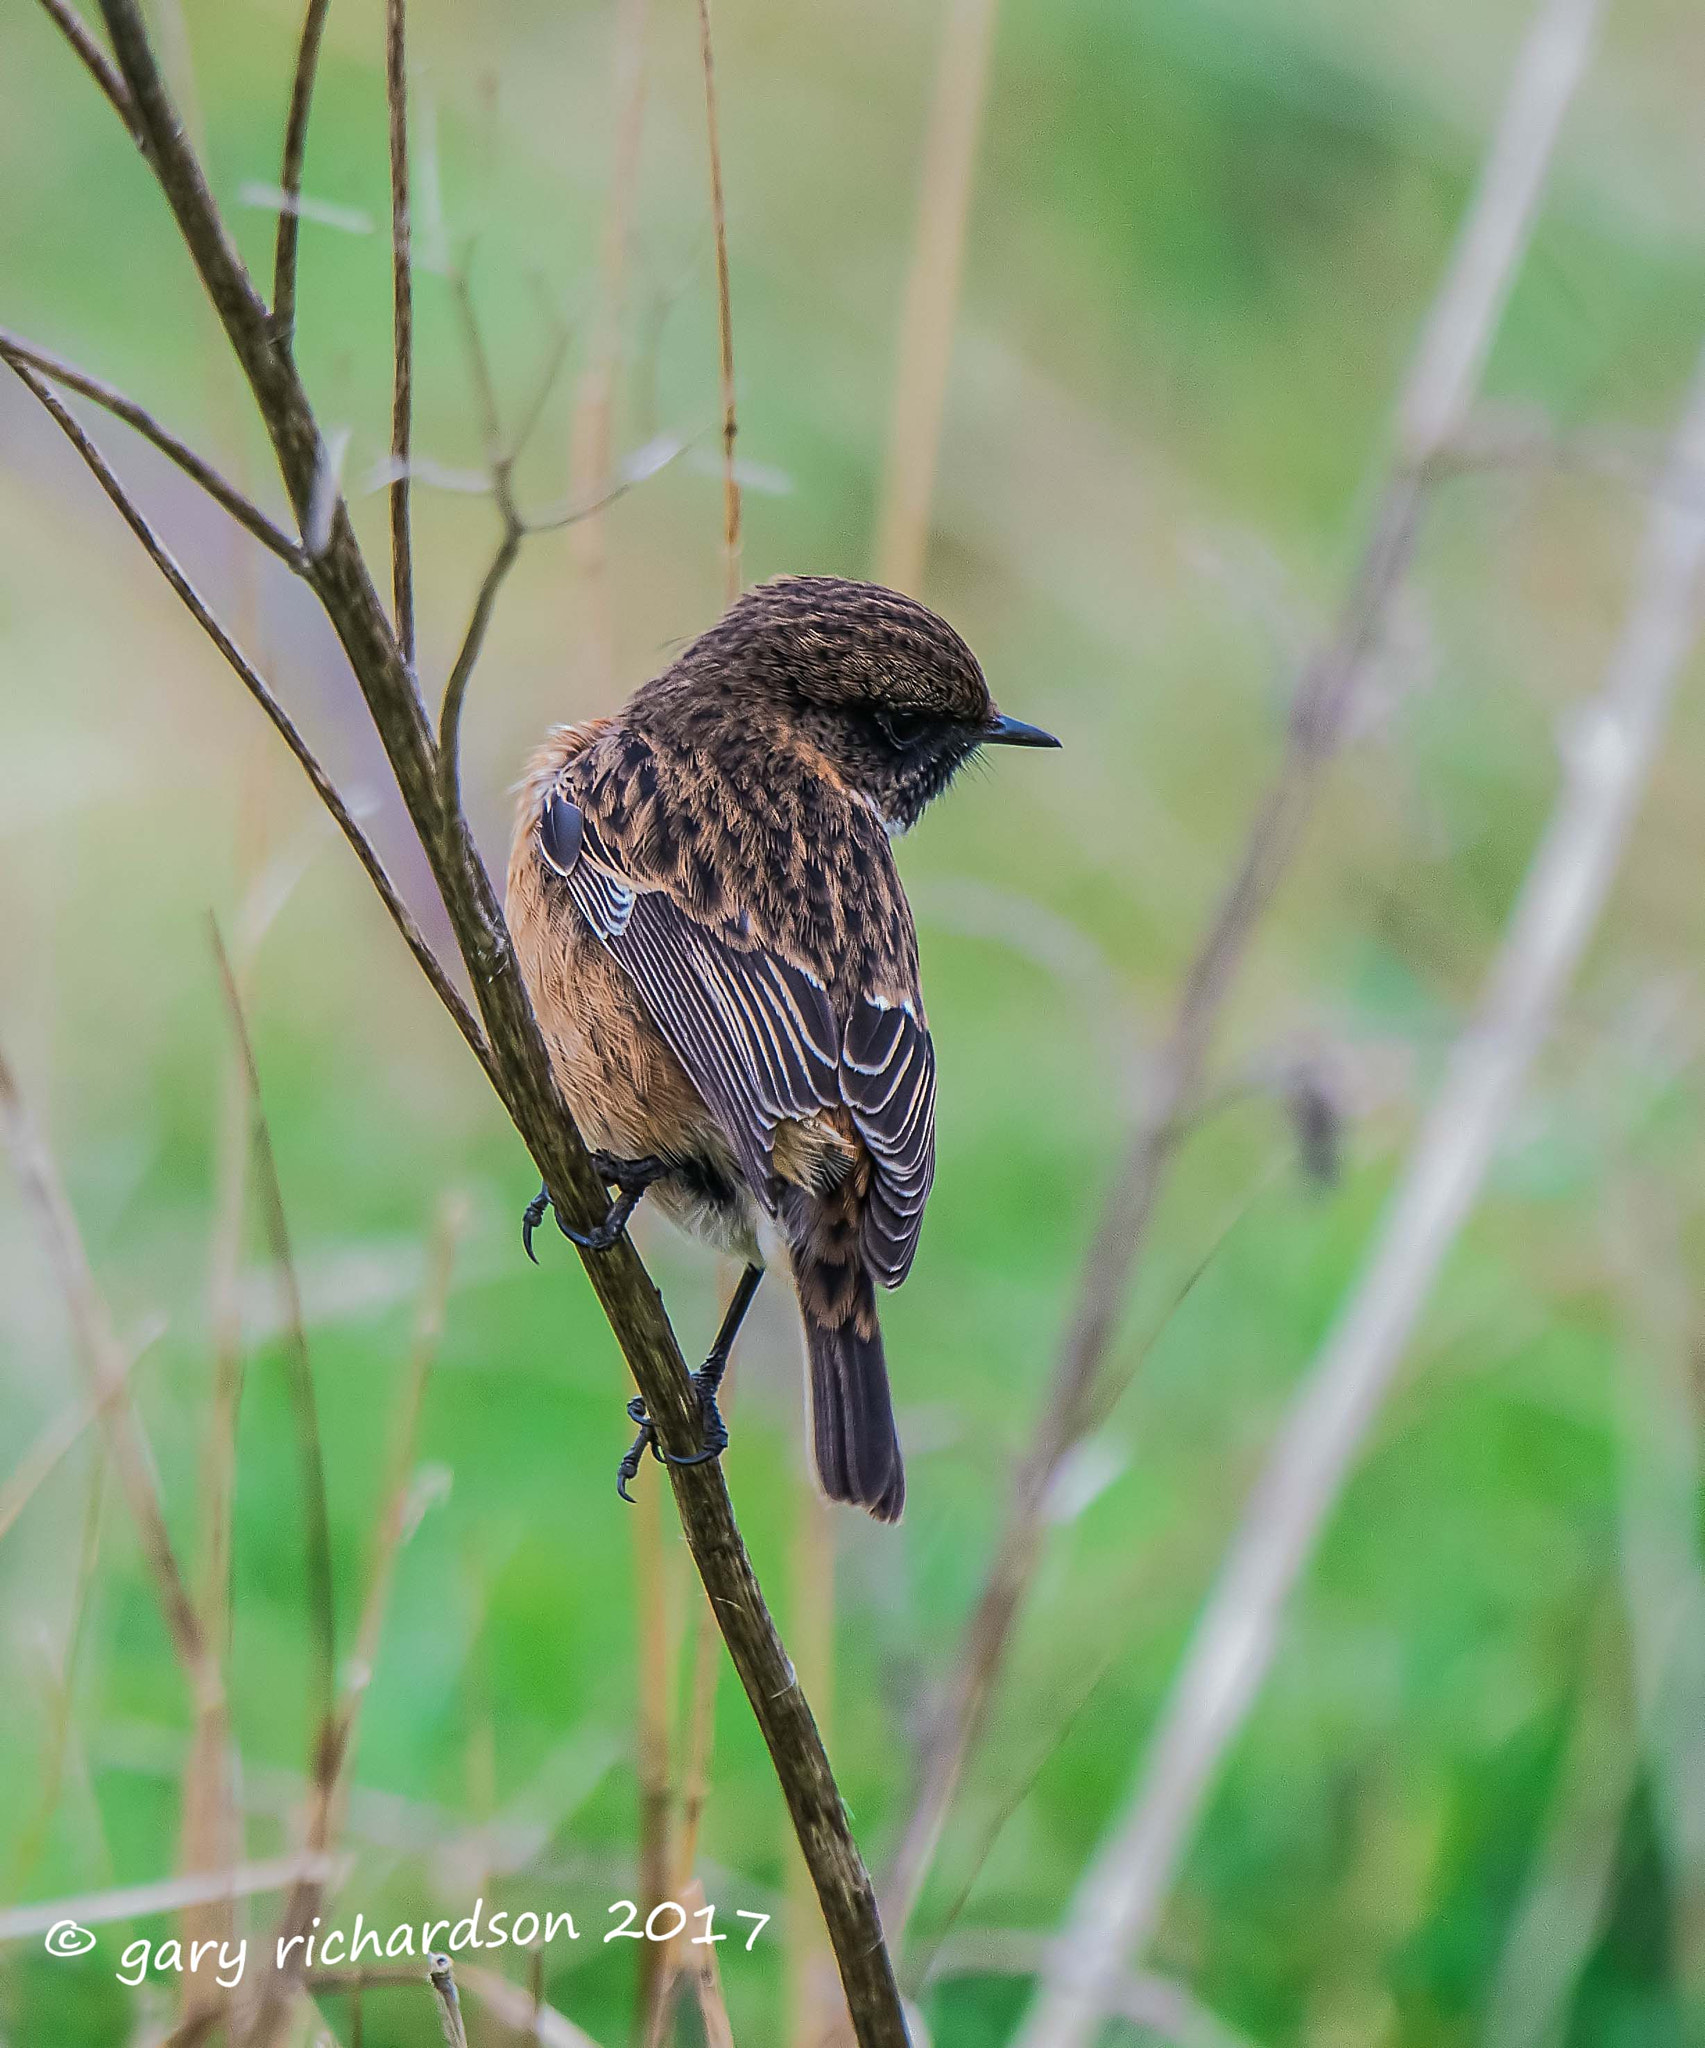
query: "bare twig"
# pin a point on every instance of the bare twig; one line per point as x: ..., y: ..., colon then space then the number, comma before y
x: 724, y: 317
x: 323, y: 787
x: 932, y: 293
x: 1607, y: 758
x: 28, y: 355
x: 402, y: 325
x: 290, y: 172
x: 517, y: 1061
x: 1551, y: 64
x: 106, y: 1368
x: 96, y: 61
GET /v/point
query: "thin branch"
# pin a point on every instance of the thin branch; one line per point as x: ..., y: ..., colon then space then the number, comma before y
x: 106, y: 1370
x: 1500, y: 219
x: 96, y: 61
x: 323, y: 787
x: 501, y: 459
x: 724, y: 317
x: 1607, y: 760
x: 22, y: 354
x: 290, y: 173
x: 402, y: 326
x: 932, y: 293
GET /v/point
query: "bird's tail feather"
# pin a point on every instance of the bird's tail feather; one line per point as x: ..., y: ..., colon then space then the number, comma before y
x: 852, y: 1416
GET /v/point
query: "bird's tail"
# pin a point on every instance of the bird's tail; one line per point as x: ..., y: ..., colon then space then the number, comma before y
x: 852, y: 1417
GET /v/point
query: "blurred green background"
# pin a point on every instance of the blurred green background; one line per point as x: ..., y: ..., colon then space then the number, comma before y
x: 1202, y: 238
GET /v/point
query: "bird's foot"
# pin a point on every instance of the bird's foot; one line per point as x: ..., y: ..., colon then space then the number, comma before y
x: 705, y: 1383
x: 629, y: 1177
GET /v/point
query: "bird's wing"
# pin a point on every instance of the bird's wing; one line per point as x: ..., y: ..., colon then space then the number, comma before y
x: 761, y: 1034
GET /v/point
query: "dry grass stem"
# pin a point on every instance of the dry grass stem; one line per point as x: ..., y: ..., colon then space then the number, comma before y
x: 932, y: 294
x: 317, y: 1517
x: 592, y: 437
x: 724, y: 318
x: 105, y: 1368
x: 1607, y: 758
x: 165, y: 1895
x: 1159, y: 2006
x: 45, y: 1454
x: 654, y: 1682
x: 811, y: 2001
x: 1499, y: 221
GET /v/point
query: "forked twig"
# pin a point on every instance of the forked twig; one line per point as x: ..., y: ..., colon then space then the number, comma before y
x: 324, y: 788
x: 22, y: 355
x: 1439, y: 388
x: 96, y: 61
x: 1607, y: 759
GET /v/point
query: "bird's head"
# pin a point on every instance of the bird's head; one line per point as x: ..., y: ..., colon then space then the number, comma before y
x: 874, y: 681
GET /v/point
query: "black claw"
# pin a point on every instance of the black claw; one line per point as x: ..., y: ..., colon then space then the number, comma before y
x: 630, y: 1178
x: 531, y: 1217
x: 628, y: 1469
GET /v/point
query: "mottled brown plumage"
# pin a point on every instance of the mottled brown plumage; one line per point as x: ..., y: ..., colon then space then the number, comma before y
x: 708, y: 915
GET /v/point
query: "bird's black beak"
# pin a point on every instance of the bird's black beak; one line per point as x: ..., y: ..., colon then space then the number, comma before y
x: 1013, y: 732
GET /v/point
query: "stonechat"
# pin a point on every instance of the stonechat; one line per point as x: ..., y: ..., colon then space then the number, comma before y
x: 706, y: 908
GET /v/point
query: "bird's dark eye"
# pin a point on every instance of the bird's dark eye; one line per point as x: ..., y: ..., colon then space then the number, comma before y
x: 900, y: 728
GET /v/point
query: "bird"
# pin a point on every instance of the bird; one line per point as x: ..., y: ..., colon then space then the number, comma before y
x: 707, y: 914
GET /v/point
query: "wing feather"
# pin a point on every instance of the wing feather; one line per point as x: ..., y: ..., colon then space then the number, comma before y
x: 758, y: 1033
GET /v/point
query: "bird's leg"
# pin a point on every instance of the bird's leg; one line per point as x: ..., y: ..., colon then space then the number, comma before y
x: 706, y: 1381
x: 708, y: 1378
x: 629, y: 1177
